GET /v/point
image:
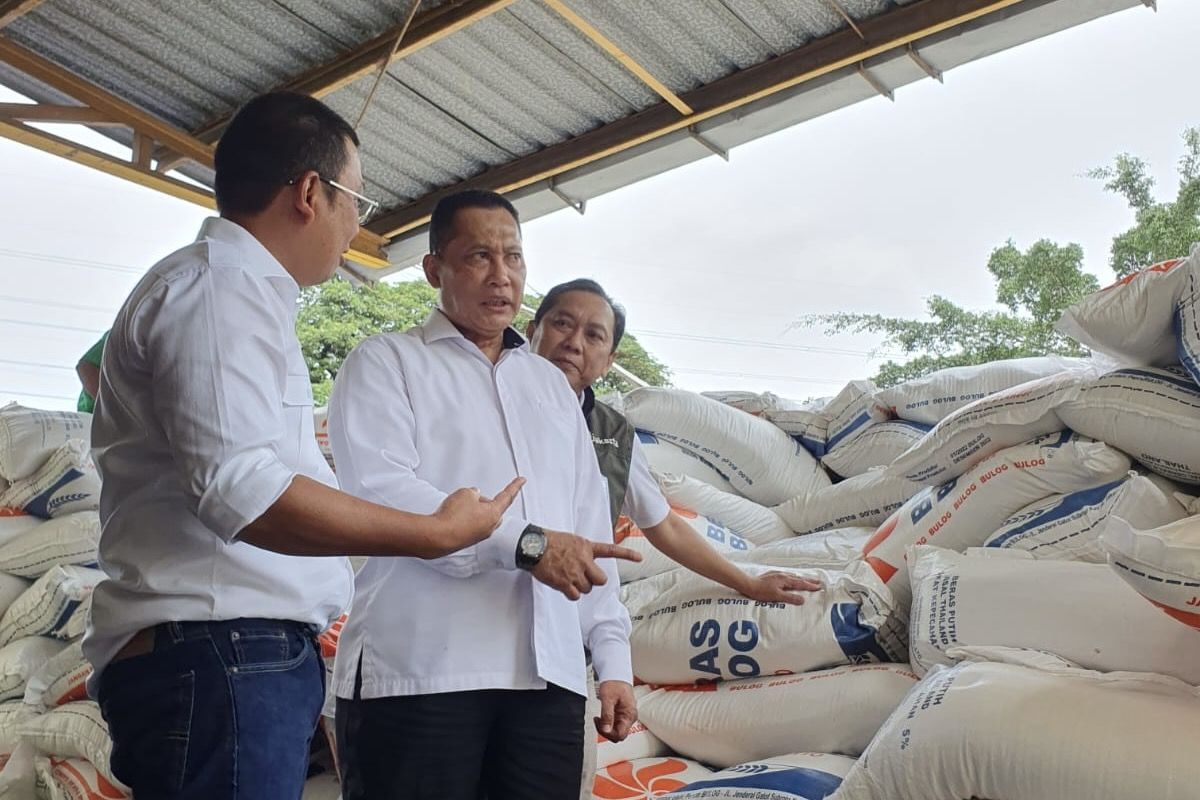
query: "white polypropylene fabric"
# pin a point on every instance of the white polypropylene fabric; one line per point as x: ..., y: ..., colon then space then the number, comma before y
x: 850, y: 413
x: 754, y: 403
x: 800, y: 776
x: 74, y: 730
x: 877, y: 446
x: 978, y: 430
x: 1010, y: 732
x: 732, y: 722
x: 866, y: 499
x: 646, y: 778
x: 46, y: 608
x: 321, y: 428
x: 61, y: 679
x: 1081, y: 612
x: 66, y: 483
x: 667, y: 459
x: 71, y: 539
x: 20, y: 659
x: 1163, y: 564
x: 964, y: 512
x: 1152, y: 414
x: 1069, y: 526
x: 12, y: 714
x: 75, y: 779
x: 807, y: 425
x: 833, y: 549
x: 14, y: 522
x: 640, y: 743
x: 11, y: 587
x: 654, y: 561
x: 754, y: 522
x: 762, y: 462
x: 28, y: 436
x: 1145, y: 319
x: 931, y: 398
x: 700, y: 631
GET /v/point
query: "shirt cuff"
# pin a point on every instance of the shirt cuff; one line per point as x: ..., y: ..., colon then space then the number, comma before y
x: 611, y: 658
x: 499, y: 551
x: 242, y: 490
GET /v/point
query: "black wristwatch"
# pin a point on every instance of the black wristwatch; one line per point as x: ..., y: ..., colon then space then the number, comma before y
x: 531, y: 546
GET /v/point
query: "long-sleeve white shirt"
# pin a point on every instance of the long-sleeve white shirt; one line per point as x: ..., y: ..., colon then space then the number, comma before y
x: 203, y: 420
x: 417, y: 415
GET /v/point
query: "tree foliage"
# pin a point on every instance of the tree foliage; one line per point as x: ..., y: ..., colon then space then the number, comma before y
x: 336, y: 316
x: 1034, y: 287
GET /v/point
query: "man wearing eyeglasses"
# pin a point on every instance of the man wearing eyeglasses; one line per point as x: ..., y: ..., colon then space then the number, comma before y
x: 216, y: 501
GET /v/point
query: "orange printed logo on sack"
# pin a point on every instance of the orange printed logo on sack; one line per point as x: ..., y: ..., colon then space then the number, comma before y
x: 329, y: 639
x: 1162, y: 266
x: 625, y: 530
x: 12, y: 512
x: 621, y: 782
x: 78, y: 786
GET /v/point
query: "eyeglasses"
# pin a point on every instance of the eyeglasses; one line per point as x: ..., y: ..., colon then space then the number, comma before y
x: 366, y: 206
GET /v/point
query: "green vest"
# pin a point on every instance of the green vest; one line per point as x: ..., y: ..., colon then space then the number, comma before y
x: 612, y: 437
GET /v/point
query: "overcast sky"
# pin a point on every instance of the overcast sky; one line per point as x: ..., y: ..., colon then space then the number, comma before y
x: 872, y: 208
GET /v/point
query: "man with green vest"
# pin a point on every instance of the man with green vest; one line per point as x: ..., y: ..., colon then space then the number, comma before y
x: 578, y: 328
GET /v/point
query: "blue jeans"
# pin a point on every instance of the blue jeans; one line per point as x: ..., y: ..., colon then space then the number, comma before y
x: 217, y: 710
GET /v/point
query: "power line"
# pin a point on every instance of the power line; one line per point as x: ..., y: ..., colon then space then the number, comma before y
x: 757, y: 375
x: 40, y: 364
x: 759, y: 343
x: 41, y: 396
x: 70, y: 262
x: 56, y: 304
x: 92, y: 331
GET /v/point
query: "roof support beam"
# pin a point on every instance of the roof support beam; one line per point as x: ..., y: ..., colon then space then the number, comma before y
x: 876, y: 84
x: 578, y: 205
x: 67, y: 115
x: 12, y: 10
x: 836, y: 6
x: 929, y: 69
x: 694, y: 132
x: 626, y: 60
x: 838, y: 51
x: 428, y: 28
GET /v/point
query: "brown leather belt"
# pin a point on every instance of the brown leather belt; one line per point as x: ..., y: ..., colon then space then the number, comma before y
x: 141, y: 644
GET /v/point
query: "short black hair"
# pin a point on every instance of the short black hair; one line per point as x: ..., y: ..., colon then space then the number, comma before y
x: 441, y: 224
x: 273, y: 139
x: 583, y: 285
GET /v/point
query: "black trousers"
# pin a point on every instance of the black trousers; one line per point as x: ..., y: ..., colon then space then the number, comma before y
x: 491, y: 743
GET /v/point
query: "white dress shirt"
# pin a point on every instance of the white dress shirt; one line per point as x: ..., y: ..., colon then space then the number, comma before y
x: 203, y: 420
x: 644, y: 502
x: 417, y: 415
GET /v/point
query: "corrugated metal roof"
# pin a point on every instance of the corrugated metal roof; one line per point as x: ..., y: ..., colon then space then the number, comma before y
x: 508, y: 87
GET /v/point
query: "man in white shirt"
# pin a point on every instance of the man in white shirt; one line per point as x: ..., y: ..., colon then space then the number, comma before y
x: 215, y: 496
x: 464, y: 676
x: 578, y: 328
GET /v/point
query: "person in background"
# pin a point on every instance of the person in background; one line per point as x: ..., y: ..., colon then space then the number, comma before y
x: 465, y: 677
x: 216, y: 503
x: 578, y: 328
x: 88, y: 370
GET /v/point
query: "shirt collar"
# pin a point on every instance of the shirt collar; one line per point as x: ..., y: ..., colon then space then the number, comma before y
x: 438, y: 326
x: 250, y: 253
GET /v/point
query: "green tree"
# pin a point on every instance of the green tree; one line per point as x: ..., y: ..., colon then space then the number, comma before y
x: 336, y: 316
x: 1037, y: 285
x: 1161, y: 230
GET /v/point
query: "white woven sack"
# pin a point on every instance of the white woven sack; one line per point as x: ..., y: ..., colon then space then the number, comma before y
x: 931, y: 398
x: 21, y: 659
x: 1069, y: 526
x: 756, y: 523
x: 654, y: 561
x: 667, y: 459
x: 1152, y: 414
x: 646, y: 778
x: 833, y: 549
x: 1162, y: 564
x: 11, y: 587
x: 1145, y: 319
x: 61, y: 679
x: 74, y: 730
x: 964, y: 512
x: 863, y: 500
x: 46, y: 608
x: 1081, y: 612
x: 978, y: 430
x: 75, y: 779
x: 14, y: 522
x: 799, y: 776
x: 67, y: 540
x: 66, y: 483
x: 761, y: 461
x: 28, y: 436
x: 877, y: 446
x: 1000, y: 730
x: 698, y: 630
x: 733, y: 722
x: 640, y: 743
x: 12, y: 714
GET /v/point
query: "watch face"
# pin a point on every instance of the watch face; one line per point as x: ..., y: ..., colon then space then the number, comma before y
x: 532, y: 546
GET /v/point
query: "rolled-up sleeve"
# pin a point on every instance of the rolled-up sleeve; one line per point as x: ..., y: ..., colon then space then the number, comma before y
x: 215, y: 349
x: 372, y: 430
x: 604, y: 622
